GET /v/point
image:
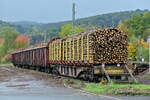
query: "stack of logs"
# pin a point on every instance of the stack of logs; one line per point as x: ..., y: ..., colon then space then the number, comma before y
x: 98, y: 46
x: 108, y: 46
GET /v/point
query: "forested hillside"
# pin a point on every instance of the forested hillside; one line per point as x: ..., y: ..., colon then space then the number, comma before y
x: 5, y: 24
x: 101, y: 21
x: 44, y: 32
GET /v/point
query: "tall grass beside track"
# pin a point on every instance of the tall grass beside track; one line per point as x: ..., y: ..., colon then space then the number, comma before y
x: 6, y: 64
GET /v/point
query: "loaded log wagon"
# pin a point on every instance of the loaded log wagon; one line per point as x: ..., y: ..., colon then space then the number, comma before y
x: 91, y: 55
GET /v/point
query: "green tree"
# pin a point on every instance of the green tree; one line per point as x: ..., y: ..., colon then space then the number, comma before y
x: 126, y: 30
x: 139, y: 24
x: 146, y: 33
x: 146, y: 53
x: 9, y: 34
x: 133, y: 39
x: 146, y: 20
x: 133, y: 47
x: 2, y: 52
x: 135, y: 23
x: 69, y: 29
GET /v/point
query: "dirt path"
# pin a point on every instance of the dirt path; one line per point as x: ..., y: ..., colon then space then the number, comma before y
x: 23, y: 75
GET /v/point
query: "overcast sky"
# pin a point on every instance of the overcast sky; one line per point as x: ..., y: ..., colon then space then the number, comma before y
x: 60, y: 10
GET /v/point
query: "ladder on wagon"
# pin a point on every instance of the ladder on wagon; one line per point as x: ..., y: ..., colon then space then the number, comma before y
x: 108, y: 77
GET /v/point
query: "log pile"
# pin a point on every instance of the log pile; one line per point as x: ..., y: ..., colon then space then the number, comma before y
x: 98, y: 46
x: 108, y: 46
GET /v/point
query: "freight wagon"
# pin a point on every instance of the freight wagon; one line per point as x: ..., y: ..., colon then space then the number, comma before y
x: 35, y: 58
x: 91, y: 55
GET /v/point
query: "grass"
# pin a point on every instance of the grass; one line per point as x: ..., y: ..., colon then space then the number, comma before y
x: 128, y: 89
x: 148, y: 76
x: 6, y: 64
x: 75, y: 83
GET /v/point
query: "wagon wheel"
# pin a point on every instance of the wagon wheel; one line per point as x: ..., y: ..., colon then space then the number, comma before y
x: 91, y: 77
x: 88, y: 76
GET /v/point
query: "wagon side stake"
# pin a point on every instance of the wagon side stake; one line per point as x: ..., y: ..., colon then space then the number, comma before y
x: 107, y: 76
x: 131, y: 74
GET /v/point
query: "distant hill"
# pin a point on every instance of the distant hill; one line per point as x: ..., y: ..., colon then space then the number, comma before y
x: 25, y: 26
x: 101, y: 21
x: 4, y: 24
x: 26, y: 23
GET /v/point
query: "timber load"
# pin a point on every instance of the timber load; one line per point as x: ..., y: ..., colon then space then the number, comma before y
x: 100, y: 46
x: 108, y: 46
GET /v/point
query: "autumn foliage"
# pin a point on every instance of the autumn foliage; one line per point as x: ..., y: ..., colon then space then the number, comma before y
x: 22, y: 41
x: 144, y: 44
x: 2, y: 40
x: 132, y: 51
x: 136, y: 50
